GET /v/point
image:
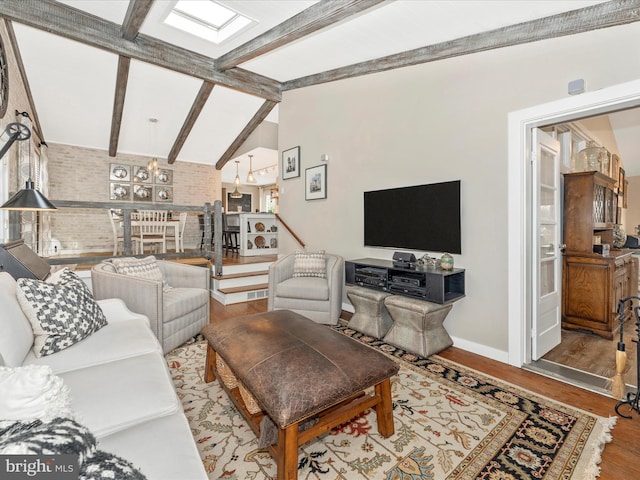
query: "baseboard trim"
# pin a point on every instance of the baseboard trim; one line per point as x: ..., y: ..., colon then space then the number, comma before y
x: 479, y: 349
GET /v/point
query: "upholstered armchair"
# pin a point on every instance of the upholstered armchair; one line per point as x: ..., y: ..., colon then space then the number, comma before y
x: 177, y: 307
x: 315, y: 297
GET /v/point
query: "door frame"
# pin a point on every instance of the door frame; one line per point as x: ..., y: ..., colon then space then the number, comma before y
x: 519, y: 196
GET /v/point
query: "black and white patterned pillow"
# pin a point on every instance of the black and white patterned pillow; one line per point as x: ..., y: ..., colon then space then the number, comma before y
x: 65, y: 436
x: 61, y: 313
x: 57, y: 436
x: 107, y: 466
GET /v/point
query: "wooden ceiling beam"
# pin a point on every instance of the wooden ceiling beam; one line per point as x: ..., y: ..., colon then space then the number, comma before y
x: 314, y: 18
x: 603, y: 15
x: 136, y: 13
x: 74, y: 24
x: 134, y: 18
x: 118, y: 103
x: 194, y: 113
x: 257, y: 119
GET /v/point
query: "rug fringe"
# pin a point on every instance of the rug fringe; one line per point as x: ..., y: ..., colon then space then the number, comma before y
x: 592, y: 469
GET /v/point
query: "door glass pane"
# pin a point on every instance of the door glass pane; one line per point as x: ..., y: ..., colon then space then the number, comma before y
x: 547, y: 205
x: 547, y: 236
x: 547, y: 277
x: 547, y: 169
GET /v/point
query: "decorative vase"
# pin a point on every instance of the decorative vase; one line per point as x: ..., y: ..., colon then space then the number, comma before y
x: 591, y: 157
x: 619, y: 236
x: 446, y: 262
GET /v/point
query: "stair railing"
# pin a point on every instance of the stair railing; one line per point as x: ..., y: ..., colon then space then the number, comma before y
x: 291, y: 232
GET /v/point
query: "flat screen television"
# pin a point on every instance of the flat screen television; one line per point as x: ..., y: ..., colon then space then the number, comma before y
x: 420, y: 217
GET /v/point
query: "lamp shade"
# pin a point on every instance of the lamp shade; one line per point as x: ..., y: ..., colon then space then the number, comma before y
x: 235, y: 193
x: 28, y: 199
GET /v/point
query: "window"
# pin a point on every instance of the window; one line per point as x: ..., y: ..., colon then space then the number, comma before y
x: 206, y: 19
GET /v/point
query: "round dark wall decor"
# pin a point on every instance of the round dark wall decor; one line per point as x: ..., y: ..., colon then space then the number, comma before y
x: 4, y: 80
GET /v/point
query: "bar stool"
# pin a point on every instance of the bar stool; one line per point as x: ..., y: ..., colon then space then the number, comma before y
x: 371, y: 316
x: 230, y: 235
x: 417, y: 325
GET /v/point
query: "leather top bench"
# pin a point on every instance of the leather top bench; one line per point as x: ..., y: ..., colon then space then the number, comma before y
x: 297, y: 369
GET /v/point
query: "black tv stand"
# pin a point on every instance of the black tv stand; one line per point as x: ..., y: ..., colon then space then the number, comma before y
x: 427, y: 283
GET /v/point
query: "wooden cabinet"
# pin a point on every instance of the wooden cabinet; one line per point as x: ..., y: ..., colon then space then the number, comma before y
x: 590, y: 206
x: 592, y: 284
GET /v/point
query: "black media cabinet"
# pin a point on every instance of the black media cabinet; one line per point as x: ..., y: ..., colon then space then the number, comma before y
x: 426, y: 283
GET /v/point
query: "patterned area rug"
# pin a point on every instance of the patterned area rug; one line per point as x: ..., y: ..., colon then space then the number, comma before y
x: 450, y: 423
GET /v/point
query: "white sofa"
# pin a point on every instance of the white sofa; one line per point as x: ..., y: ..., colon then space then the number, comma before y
x: 120, y: 387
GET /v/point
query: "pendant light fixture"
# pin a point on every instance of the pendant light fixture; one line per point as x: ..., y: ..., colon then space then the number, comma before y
x: 236, y: 193
x: 250, y: 177
x: 152, y: 166
x: 236, y: 182
x: 28, y: 198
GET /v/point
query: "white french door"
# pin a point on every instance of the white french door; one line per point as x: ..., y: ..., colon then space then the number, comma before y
x: 547, y: 258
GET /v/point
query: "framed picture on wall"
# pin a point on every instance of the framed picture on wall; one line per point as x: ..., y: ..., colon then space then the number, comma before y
x: 621, y: 179
x: 315, y: 182
x: 291, y: 163
x: 119, y: 172
x: 615, y: 167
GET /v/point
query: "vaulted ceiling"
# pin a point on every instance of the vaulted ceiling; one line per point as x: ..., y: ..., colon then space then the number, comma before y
x: 99, y: 70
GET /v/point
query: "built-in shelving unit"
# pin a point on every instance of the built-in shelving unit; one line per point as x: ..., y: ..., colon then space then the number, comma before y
x: 258, y: 234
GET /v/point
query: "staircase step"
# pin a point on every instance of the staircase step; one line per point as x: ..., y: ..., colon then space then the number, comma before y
x: 245, y: 288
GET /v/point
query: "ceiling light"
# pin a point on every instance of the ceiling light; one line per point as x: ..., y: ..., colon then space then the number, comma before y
x: 250, y: 177
x: 152, y: 166
x: 236, y: 193
x: 236, y: 182
x: 28, y: 199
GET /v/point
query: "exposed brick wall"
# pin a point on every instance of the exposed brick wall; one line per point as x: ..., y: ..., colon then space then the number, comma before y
x: 77, y: 173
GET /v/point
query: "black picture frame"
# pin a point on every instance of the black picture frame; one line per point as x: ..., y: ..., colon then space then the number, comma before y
x: 290, y: 163
x: 315, y: 182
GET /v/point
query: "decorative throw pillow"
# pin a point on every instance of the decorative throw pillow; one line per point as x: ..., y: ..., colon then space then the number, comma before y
x: 61, y: 313
x: 65, y: 436
x: 310, y: 264
x: 102, y: 465
x: 33, y: 392
x: 140, y: 267
x: 57, y: 436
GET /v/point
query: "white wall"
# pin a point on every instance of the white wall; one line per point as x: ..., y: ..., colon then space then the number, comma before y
x: 435, y: 122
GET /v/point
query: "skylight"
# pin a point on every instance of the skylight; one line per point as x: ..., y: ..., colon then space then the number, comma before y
x: 206, y: 19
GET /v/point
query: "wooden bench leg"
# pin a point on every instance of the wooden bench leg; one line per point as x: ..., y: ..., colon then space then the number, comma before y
x: 210, y: 365
x: 384, y: 409
x: 287, y: 460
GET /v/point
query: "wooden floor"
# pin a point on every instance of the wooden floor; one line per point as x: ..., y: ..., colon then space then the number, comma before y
x: 621, y: 457
x: 590, y: 353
